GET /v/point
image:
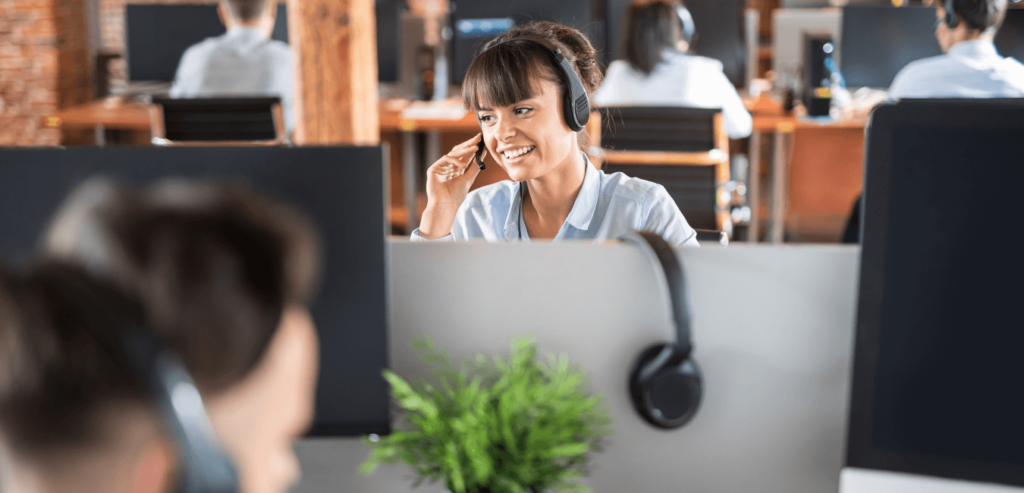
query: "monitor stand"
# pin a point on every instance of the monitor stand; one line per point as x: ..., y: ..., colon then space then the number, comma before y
x: 853, y: 480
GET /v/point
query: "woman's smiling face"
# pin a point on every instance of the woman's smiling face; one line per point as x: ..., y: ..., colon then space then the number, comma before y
x: 529, y: 138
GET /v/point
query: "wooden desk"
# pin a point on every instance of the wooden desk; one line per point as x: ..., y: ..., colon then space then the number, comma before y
x: 806, y: 143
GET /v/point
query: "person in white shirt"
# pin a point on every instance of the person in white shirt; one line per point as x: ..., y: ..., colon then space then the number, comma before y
x: 658, y: 71
x: 517, y: 86
x: 971, y: 67
x: 242, y: 62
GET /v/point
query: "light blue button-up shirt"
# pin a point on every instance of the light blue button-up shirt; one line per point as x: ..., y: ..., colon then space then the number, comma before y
x: 607, y: 207
x: 241, y: 62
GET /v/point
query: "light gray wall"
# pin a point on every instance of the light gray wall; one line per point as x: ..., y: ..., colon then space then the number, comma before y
x: 773, y: 334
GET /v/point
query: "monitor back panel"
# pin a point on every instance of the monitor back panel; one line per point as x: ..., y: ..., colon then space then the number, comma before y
x: 341, y: 188
x: 938, y: 372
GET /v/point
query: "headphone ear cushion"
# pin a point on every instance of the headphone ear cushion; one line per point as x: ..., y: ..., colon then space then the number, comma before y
x: 670, y: 395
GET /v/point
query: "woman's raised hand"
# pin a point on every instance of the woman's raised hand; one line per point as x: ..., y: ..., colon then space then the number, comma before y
x: 448, y: 183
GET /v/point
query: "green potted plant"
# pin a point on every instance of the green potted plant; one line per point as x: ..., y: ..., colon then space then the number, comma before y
x: 492, y: 425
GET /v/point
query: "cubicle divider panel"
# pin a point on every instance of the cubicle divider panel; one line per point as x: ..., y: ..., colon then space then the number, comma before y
x: 772, y: 326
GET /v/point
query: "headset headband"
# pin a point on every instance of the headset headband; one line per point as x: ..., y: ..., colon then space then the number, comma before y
x: 657, y: 250
x: 689, y: 27
x: 204, y: 467
x: 576, y: 105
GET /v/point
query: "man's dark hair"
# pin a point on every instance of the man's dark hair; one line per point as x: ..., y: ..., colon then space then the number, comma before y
x: 246, y: 10
x: 979, y: 15
x: 212, y: 268
x: 58, y: 365
x: 649, y: 28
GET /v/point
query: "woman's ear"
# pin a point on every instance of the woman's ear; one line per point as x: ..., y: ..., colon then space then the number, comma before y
x: 682, y: 46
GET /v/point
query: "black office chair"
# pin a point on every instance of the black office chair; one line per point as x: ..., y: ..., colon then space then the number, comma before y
x: 686, y: 150
x: 217, y: 121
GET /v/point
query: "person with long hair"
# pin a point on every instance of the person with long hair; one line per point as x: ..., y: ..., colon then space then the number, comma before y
x: 517, y: 87
x: 658, y: 70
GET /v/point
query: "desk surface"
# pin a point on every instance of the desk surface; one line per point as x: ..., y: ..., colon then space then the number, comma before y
x: 113, y: 113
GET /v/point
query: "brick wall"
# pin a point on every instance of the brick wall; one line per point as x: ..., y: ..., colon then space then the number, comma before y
x: 28, y: 71
x: 44, y: 66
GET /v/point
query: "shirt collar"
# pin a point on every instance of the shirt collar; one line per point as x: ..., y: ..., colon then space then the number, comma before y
x: 582, y: 210
x: 245, y: 33
x: 974, y: 48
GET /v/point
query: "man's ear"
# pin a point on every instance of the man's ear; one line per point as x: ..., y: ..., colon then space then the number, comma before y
x: 225, y: 16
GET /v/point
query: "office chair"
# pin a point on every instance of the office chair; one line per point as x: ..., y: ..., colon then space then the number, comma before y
x: 686, y: 150
x: 217, y: 121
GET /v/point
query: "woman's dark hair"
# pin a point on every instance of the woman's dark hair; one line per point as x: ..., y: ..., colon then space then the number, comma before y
x: 504, y: 75
x: 979, y: 15
x: 649, y: 28
x: 212, y: 269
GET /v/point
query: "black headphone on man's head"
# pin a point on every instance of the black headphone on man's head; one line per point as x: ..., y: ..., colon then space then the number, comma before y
x: 950, y: 19
x: 575, y: 103
x: 665, y: 382
x: 204, y: 466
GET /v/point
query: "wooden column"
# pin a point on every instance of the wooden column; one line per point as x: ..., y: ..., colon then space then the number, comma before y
x: 335, y: 71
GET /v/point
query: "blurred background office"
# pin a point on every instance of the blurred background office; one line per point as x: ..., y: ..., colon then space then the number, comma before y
x: 793, y: 80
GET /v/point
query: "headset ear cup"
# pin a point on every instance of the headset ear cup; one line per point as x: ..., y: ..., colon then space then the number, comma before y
x: 670, y: 395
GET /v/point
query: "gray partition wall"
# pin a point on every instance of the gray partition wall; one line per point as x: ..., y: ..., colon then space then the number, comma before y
x: 343, y: 189
x: 773, y: 332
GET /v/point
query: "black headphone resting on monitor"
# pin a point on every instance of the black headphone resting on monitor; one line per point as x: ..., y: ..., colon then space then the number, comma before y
x: 204, y: 467
x: 665, y: 381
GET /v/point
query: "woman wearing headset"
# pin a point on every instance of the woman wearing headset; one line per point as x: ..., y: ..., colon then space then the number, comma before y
x: 518, y: 89
x: 658, y: 71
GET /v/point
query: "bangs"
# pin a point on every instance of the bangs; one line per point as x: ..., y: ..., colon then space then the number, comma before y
x: 505, y: 75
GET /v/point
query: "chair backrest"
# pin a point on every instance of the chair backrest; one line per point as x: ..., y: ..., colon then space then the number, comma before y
x: 217, y: 121
x: 686, y: 150
x: 659, y: 128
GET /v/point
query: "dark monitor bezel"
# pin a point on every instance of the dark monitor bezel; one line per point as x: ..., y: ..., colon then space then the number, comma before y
x: 879, y: 141
x: 844, y: 36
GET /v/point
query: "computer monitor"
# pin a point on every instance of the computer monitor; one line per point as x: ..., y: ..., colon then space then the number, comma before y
x: 1010, y: 38
x: 790, y: 27
x: 475, y: 22
x: 876, y: 42
x: 157, y: 35
x: 342, y: 189
x: 936, y: 398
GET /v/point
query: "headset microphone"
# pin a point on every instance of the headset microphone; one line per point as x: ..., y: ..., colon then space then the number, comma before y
x: 665, y: 382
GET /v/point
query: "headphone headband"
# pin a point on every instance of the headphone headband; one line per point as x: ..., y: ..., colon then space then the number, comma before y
x: 658, y: 251
x: 576, y: 104
x: 689, y: 27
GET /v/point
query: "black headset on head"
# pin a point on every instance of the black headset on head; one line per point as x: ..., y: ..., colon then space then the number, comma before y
x: 665, y: 382
x: 204, y: 467
x: 950, y: 18
x: 575, y: 102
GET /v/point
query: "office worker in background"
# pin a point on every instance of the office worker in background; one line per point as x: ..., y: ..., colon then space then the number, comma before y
x: 658, y: 71
x: 517, y: 89
x: 221, y: 276
x: 242, y: 62
x: 970, y: 67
